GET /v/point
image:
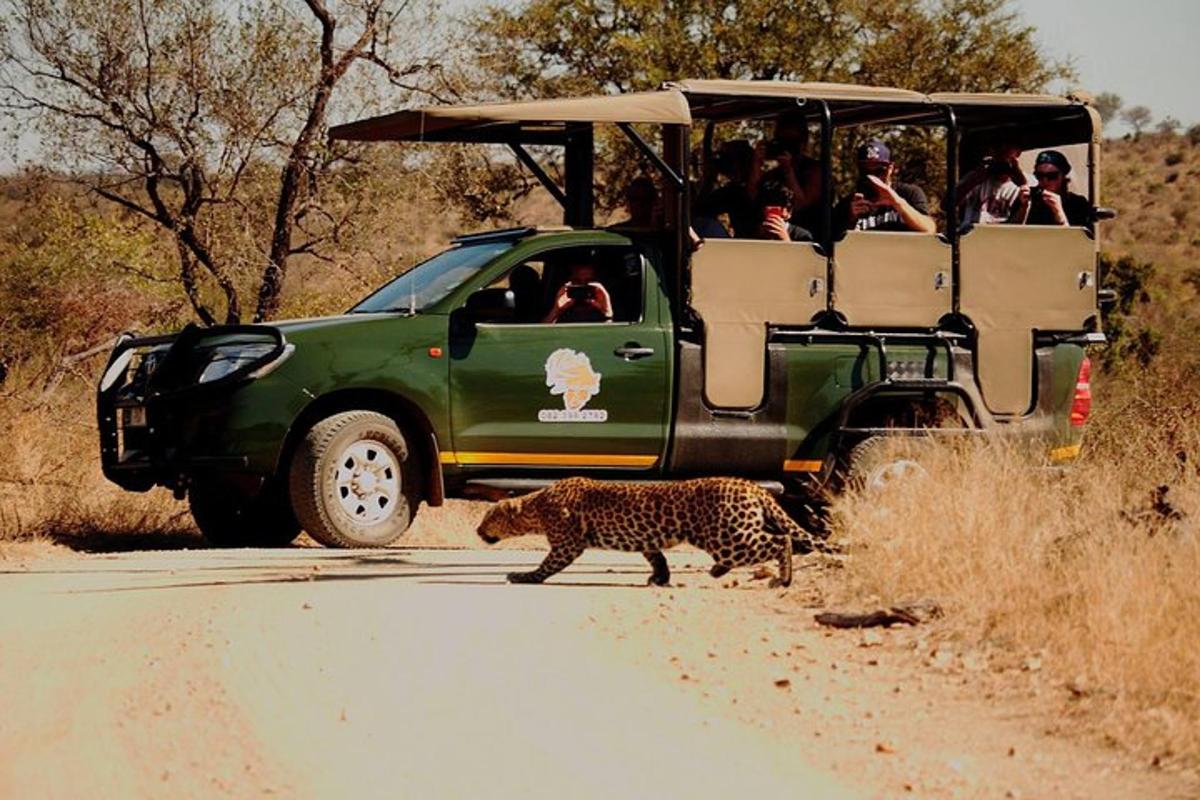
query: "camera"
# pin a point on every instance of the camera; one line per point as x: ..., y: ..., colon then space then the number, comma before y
x: 580, y: 293
x: 776, y: 148
x: 1035, y: 194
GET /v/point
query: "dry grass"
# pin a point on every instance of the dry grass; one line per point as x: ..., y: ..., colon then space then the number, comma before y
x: 50, y: 480
x: 1083, y: 569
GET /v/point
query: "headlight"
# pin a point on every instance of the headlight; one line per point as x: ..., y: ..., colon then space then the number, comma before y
x: 228, y: 358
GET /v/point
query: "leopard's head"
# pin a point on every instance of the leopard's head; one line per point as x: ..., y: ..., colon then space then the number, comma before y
x: 508, y: 518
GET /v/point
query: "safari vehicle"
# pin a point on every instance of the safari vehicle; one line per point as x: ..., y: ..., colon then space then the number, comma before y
x: 783, y: 362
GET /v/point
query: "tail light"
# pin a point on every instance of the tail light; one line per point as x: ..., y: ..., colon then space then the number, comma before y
x: 1081, y: 406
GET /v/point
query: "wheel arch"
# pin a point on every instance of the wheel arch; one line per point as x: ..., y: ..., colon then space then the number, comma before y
x: 406, y: 414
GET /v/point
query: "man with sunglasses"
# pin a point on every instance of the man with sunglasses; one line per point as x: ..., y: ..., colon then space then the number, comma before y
x: 877, y: 203
x: 1050, y: 202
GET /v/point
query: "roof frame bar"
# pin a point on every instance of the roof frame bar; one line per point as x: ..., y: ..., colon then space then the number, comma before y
x: 648, y: 151
x: 531, y: 164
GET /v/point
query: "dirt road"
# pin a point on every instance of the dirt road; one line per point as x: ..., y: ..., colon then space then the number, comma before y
x: 420, y: 673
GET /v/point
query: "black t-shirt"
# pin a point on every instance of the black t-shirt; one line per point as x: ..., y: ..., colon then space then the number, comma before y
x: 883, y: 218
x: 1075, y: 206
x: 735, y: 203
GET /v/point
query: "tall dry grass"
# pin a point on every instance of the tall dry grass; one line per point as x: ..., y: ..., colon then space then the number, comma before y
x: 1096, y: 570
x: 50, y: 480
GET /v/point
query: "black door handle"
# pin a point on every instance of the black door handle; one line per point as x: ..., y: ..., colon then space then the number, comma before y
x: 632, y: 350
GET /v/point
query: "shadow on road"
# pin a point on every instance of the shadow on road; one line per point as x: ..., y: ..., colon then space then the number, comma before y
x: 89, y: 541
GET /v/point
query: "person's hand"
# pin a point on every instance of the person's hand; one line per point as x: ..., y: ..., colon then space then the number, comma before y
x: 1013, y: 167
x: 600, y: 300
x: 1023, y: 194
x: 885, y: 194
x: 775, y: 228
x: 860, y: 205
x: 563, y: 298
x: 785, y: 161
x: 760, y: 154
x: 1054, y: 203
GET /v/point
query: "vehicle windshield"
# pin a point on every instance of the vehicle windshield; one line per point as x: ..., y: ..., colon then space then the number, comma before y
x: 430, y: 281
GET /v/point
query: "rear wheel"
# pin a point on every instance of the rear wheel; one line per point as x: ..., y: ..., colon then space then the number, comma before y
x: 353, y: 481
x: 880, y: 461
x: 227, y: 518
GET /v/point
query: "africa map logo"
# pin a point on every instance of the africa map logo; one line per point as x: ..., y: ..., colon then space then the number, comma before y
x: 570, y: 375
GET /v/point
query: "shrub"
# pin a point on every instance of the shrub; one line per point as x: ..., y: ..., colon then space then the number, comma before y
x: 1193, y: 135
x: 1131, y: 342
x: 1173, y: 158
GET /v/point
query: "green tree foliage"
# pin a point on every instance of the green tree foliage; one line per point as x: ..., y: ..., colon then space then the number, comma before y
x: 1130, y: 341
x: 546, y: 48
x: 1137, y: 117
x: 1169, y: 126
x: 188, y: 112
x: 561, y: 47
x: 1107, y: 104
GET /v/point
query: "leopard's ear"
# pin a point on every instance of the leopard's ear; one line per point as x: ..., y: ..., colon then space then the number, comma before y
x: 564, y: 512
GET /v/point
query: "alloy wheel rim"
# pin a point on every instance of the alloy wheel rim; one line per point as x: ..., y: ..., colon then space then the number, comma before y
x: 366, y: 481
x: 887, y: 474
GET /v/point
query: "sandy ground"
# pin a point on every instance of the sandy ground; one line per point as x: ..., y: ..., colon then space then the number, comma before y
x: 420, y: 673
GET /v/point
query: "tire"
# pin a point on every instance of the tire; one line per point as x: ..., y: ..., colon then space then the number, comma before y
x: 880, y: 461
x: 353, y: 481
x: 229, y: 519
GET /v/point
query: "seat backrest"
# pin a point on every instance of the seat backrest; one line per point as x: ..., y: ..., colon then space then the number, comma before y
x: 1014, y: 280
x: 739, y: 286
x: 889, y: 279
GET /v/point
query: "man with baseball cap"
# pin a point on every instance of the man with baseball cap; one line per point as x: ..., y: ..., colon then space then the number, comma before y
x: 877, y: 203
x: 1050, y: 202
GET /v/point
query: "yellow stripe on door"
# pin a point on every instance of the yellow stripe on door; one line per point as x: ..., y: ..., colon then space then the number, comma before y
x: 549, y: 459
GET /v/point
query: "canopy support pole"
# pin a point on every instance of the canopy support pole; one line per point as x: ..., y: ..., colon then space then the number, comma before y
x: 580, y: 206
x: 648, y: 151
x: 539, y: 173
x: 952, y: 226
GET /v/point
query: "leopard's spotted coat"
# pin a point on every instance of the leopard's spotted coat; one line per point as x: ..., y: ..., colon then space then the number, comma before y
x: 737, y: 522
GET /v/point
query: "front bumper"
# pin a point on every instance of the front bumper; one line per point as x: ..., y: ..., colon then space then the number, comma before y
x: 159, y: 426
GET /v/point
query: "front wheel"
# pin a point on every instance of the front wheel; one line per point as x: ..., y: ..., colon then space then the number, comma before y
x: 353, y: 481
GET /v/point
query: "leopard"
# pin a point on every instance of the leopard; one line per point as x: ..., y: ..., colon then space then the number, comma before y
x: 735, y: 521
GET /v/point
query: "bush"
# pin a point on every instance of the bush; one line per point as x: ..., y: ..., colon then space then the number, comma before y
x: 1131, y: 343
x: 1173, y: 158
x: 1193, y: 135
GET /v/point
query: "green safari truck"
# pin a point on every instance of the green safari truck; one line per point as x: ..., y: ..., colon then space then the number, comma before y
x: 779, y: 361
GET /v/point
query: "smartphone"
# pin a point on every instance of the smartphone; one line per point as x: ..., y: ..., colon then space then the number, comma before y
x: 580, y: 293
x: 775, y: 212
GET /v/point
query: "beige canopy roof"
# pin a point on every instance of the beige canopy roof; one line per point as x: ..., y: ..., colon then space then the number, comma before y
x: 525, y: 121
x: 835, y: 92
x: 550, y: 121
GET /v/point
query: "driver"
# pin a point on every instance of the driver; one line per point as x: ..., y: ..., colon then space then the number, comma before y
x: 581, y: 299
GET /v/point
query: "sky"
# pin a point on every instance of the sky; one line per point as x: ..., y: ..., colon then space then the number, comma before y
x: 1144, y: 50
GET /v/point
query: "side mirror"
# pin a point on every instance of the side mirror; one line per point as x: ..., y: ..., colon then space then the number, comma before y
x: 491, y: 305
x: 1107, y: 299
x: 1101, y: 214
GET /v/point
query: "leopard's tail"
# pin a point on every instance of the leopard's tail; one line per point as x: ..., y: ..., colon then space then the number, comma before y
x: 778, y: 521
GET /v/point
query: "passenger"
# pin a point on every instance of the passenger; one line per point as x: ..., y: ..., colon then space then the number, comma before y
x: 526, y: 287
x: 878, y: 204
x: 581, y: 299
x: 729, y: 210
x: 775, y: 212
x: 1050, y: 202
x: 796, y: 170
x: 988, y: 194
x: 641, y: 201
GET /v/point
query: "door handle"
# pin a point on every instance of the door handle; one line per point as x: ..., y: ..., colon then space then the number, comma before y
x: 632, y: 350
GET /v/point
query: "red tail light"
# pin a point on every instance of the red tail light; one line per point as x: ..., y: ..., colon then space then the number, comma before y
x: 1081, y: 407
